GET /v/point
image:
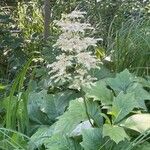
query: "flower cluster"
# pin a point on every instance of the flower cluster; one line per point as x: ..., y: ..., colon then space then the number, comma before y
x: 73, y: 44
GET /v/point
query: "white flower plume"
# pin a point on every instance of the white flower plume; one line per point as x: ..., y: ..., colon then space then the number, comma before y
x: 86, y: 59
x: 71, y: 26
x: 73, y: 44
x: 75, y: 14
x: 59, y: 67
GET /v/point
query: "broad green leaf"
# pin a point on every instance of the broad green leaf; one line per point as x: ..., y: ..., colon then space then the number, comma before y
x: 144, y: 82
x: 94, y: 112
x: 99, y: 91
x: 80, y: 127
x: 38, y: 138
x: 123, y: 104
x: 122, y: 81
x: 92, y: 139
x: 61, y: 142
x: 101, y: 73
x: 138, y: 122
x: 140, y: 94
x: 143, y: 146
x: 71, y: 118
x: 123, y: 145
x: 44, y: 108
x: 55, y: 104
x: 77, y: 113
x: 115, y: 133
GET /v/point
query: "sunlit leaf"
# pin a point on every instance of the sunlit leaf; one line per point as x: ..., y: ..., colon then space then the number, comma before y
x: 115, y: 133
x: 99, y: 91
x: 122, y: 81
x: 123, y: 104
x: 138, y: 122
x: 92, y: 139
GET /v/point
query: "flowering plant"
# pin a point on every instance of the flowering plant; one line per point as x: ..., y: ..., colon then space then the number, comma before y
x: 75, y: 61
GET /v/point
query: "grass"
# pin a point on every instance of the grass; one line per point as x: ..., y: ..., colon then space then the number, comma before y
x: 131, y: 47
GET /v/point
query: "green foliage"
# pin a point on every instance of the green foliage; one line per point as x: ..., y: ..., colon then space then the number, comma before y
x: 42, y: 134
x: 12, y: 55
x: 70, y: 119
x: 122, y: 81
x: 131, y: 46
x: 10, y: 139
x: 99, y: 91
x: 116, y: 133
x: 138, y: 122
x: 112, y: 129
x: 62, y: 142
x: 44, y: 108
x: 109, y: 114
x: 30, y: 19
x: 123, y: 105
x: 144, y: 146
x: 92, y: 139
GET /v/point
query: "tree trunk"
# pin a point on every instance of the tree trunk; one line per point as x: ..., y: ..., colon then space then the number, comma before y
x: 47, y: 16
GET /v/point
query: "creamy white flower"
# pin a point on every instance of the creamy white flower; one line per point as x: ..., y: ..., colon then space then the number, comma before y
x: 70, y: 26
x: 75, y: 14
x: 87, y: 60
x: 81, y: 72
x: 75, y: 43
x: 80, y: 80
x: 91, y: 41
x: 60, y: 65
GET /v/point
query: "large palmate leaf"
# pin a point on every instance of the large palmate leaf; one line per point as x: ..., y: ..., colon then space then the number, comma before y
x: 71, y: 118
x: 80, y: 127
x: 123, y: 104
x: 92, y: 139
x: 38, y: 138
x: 94, y: 112
x: 144, y: 82
x: 99, y: 91
x: 44, y: 108
x: 77, y: 113
x: 115, y: 133
x: 101, y: 73
x: 61, y: 142
x: 140, y: 94
x: 122, y: 81
x: 138, y: 122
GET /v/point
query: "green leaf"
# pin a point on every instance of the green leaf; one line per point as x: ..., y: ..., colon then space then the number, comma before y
x: 144, y: 82
x: 61, y: 142
x: 122, y: 81
x: 80, y: 127
x: 77, y: 113
x: 138, y: 122
x: 92, y: 139
x: 144, y: 146
x: 100, y: 73
x: 99, y: 91
x: 43, y: 133
x: 44, y: 108
x: 94, y: 112
x: 71, y: 118
x: 123, y: 104
x: 2, y: 87
x: 140, y: 94
x: 115, y: 133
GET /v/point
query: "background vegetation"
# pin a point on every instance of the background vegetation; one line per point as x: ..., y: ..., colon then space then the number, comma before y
x: 112, y: 114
